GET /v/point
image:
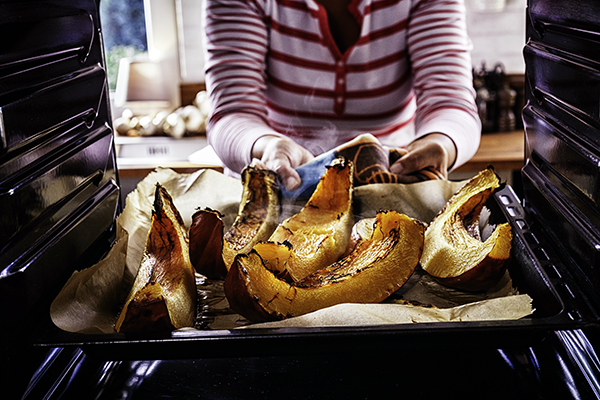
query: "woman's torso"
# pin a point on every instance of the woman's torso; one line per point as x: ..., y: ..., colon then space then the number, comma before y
x: 315, y: 90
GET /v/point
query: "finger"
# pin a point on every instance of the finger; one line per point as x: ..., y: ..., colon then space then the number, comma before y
x: 258, y: 164
x: 431, y: 173
x: 396, y: 154
x: 430, y: 157
x: 289, y: 177
x: 408, y: 164
x: 408, y: 179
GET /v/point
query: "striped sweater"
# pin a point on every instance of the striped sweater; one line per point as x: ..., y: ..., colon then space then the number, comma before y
x: 272, y: 67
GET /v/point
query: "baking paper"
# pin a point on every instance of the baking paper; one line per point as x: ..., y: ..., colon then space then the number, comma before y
x: 90, y: 301
x: 501, y: 308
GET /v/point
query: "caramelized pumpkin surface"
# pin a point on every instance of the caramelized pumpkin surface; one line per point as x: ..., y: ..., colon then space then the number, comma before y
x: 163, y: 296
x: 319, y: 233
x: 376, y: 268
x: 212, y: 251
x: 454, y: 254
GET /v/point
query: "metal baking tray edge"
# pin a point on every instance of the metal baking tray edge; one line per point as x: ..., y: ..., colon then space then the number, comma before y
x: 555, y: 310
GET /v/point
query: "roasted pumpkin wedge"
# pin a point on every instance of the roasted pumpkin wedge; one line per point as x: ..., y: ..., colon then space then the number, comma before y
x: 206, y: 243
x: 163, y: 296
x: 375, y: 269
x: 213, y: 251
x: 319, y: 233
x: 258, y: 215
x: 454, y: 254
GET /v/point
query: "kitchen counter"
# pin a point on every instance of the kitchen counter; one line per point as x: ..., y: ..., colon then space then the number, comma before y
x: 504, y: 150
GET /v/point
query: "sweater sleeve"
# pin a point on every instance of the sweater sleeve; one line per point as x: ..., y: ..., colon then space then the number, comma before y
x: 235, y: 45
x: 442, y: 72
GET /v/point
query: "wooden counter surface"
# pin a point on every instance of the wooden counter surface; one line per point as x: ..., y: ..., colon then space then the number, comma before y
x: 503, y: 150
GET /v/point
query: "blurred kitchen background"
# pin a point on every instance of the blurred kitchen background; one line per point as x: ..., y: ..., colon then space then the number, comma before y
x: 155, y: 65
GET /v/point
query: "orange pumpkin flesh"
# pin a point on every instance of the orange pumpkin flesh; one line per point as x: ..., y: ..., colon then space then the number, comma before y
x: 453, y: 254
x: 163, y: 296
x: 319, y: 233
x: 376, y: 268
x: 258, y: 214
x: 213, y: 251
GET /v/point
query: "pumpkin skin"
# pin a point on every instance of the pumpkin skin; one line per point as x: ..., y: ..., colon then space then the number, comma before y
x: 454, y: 255
x: 213, y: 251
x: 206, y: 243
x: 319, y: 233
x: 163, y: 296
x: 375, y: 269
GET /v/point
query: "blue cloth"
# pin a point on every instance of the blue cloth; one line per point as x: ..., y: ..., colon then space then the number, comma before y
x: 310, y: 174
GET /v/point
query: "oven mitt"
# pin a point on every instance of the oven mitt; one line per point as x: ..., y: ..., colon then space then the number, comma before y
x: 371, y: 160
x: 371, y: 165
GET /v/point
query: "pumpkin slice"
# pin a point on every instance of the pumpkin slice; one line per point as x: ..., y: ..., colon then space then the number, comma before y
x: 163, y: 296
x: 375, y: 269
x: 212, y: 252
x: 258, y: 215
x: 454, y: 254
x: 319, y: 233
x: 206, y: 243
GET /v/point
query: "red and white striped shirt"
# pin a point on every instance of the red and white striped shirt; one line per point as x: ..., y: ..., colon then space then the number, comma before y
x: 272, y: 67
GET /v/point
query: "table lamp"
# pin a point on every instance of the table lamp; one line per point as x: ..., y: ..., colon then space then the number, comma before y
x: 141, y: 87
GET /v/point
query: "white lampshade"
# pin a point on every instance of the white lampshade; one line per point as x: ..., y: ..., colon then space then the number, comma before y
x: 141, y: 87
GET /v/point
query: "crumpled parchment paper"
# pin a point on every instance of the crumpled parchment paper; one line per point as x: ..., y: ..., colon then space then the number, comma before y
x: 87, y: 302
x: 90, y: 300
x: 500, y: 308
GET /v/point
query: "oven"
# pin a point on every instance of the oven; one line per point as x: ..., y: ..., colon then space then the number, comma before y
x: 60, y: 197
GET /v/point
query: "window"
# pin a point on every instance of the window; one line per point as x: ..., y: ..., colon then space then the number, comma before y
x: 124, y: 33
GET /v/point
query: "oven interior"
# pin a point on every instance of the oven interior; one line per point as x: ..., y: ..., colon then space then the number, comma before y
x: 60, y: 196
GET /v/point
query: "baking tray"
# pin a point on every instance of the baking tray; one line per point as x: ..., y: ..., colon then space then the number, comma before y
x: 535, y: 269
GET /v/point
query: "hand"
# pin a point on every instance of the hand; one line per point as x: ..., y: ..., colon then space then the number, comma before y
x: 282, y: 155
x: 435, y: 151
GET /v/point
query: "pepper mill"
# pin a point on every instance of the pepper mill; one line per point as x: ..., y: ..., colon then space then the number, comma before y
x: 506, y: 102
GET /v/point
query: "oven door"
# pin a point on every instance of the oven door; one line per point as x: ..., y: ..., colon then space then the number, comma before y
x: 59, y: 189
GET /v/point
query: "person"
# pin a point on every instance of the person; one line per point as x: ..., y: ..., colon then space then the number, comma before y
x: 291, y: 79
